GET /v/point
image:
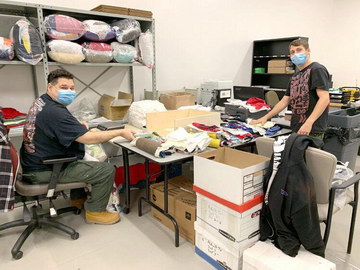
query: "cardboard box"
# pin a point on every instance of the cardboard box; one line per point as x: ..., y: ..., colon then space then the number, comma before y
x: 277, y: 70
x: 279, y: 63
x: 265, y: 256
x: 288, y: 116
x: 181, y: 206
x: 232, y: 176
x: 166, y: 122
x: 175, y: 100
x: 115, y: 108
x: 229, y: 256
x: 123, y: 11
x: 228, y: 224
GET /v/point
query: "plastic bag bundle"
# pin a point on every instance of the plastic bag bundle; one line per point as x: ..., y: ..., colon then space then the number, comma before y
x: 139, y: 109
x: 63, y: 27
x: 126, y: 30
x: 98, y: 30
x: 124, y: 53
x: 82, y: 110
x: 97, y: 52
x: 146, y: 49
x: 64, y: 51
x: 27, y: 42
x: 341, y: 175
x: 6, y: 49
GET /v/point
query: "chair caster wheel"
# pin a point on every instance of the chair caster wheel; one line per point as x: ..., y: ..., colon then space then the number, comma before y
x: 75, y: 236
x: 77, y: 211
x: 18, y: 255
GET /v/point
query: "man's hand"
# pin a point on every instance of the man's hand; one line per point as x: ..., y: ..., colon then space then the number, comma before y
x: 128, y: 134
x: 305, y: 129
x: 261, y: 121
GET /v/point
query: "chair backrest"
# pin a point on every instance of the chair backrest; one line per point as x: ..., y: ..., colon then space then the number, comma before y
x: 321, y: 165
x: 271, y: 98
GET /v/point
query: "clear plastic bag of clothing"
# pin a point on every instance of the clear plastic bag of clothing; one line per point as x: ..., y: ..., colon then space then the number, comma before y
x: 82, y: 110
x: 341, y: 175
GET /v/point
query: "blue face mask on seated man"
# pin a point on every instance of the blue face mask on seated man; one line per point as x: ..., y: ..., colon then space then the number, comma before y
x: 66, y: 97
x: 299, y: 59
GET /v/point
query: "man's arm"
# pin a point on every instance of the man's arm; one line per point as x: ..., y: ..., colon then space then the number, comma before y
x: 319, y: 108
x: 282, y: 104
x: 92, y: 137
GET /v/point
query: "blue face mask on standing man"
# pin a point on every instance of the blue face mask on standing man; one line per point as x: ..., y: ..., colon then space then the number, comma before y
x: 66, y: 97
x: 299, y: 59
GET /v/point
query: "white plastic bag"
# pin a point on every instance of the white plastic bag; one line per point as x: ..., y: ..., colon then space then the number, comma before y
x: 341, y: 175
x: 82, y: 110
x: 64, y: 51
x: 146, y: 49
x: 139, y: 109
x: 124, y: 53
x: 126, y: 30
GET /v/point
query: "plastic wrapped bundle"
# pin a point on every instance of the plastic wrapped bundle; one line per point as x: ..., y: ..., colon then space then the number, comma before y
x: 97, y: 52
x: 126, y: 30
x: 98, y: 30
x: 146, y: 49
x: 6, y: 49
x: 27, y: 42
x: 63, y: 27
x: 64, y: 51
x: 124, y: 53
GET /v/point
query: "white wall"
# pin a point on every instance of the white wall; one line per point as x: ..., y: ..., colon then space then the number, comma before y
x: 212, y: 40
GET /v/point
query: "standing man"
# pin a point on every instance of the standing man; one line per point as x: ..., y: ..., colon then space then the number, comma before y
x: 307, y: 94
x: 51, y: 130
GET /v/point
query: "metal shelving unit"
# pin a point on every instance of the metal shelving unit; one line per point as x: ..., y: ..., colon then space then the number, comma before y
x: 10, y: 12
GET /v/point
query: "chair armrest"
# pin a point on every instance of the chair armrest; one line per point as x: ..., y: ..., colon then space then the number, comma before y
x: 57, y: 162
x: 59, y: 159
x: 348, y: 182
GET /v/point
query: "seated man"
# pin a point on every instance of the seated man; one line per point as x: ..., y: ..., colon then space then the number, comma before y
x: 51, y: 130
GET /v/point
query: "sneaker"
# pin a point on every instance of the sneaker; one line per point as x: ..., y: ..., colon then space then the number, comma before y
x: 78, y: 203
x: 105, y: 217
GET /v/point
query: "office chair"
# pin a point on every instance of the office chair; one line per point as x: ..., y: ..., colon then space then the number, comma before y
x: 26, y: 192
x: 322, y: 165
x: 271, y: 98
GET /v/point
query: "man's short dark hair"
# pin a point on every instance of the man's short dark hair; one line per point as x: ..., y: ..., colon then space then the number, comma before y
x: 59, y: 73
x: 300, y: 42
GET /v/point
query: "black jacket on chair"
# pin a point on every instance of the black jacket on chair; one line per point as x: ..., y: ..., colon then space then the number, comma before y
x: 291, y: 218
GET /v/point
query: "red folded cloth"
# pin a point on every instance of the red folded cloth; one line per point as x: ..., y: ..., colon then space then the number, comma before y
x: 10, y: 113
x: 258, y: 103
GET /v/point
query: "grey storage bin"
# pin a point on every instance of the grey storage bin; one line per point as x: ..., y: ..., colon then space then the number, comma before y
x: 231, y: 109
x: 347, y: 118
x: 344, y: 153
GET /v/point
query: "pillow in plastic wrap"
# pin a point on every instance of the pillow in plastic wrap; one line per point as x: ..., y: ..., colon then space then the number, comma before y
x: 98, y: 30
x: 63, y: 27
x: 97, y: 52
x: 64, y: 51
x: 124, y: 53
x: 27, y: 42
x: 139, y: 109
x: 146, y: 49
x: 126, y: 30
x: 6, y: 49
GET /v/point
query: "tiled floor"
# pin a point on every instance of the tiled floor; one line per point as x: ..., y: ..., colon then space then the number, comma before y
x: 134, y: 243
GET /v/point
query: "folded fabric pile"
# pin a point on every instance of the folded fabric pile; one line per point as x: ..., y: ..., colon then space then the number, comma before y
x: 178, y: 140
x: 253, y: 104
x: 13, y: 118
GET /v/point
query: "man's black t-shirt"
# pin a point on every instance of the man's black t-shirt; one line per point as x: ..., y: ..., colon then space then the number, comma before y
x: 50, y: 130
x: 303, y: 97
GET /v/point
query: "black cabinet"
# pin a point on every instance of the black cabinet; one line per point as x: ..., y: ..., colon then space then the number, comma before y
x: 263, y: 52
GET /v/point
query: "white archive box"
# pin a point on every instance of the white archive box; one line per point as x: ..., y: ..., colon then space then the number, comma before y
x: 229, y: 224
x: 228, y: 256
x: 265, y: 256
x: 231, y: 175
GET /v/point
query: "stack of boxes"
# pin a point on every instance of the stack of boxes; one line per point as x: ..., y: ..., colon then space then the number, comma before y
x: 228, y: 207
x: 181, y: 205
